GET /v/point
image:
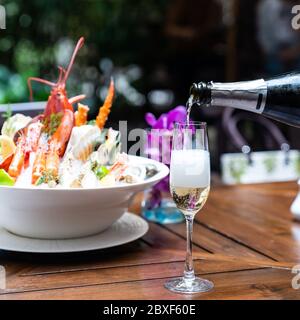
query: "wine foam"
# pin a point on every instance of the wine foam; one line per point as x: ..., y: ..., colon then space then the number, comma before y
x: 190, y: 168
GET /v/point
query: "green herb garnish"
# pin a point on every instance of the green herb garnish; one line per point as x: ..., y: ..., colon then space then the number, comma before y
x: 52, y: 123
x: 40, y: 180
x: 46, y: 178
x: 100, y: 171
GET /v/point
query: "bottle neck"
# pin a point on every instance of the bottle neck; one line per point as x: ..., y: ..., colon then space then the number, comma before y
x: 246, y: 95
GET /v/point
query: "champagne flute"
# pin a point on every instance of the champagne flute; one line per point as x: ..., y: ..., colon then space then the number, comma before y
x: 189, y: 186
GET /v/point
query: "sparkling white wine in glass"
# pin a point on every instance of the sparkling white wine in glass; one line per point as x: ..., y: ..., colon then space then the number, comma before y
x: 189, y: 200
x: 189, y: 186
x: 190, y: 179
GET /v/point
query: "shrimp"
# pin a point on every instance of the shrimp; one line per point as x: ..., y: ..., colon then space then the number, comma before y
x: 104, y: 111
x: 81, y: 115
x: 27, y: 142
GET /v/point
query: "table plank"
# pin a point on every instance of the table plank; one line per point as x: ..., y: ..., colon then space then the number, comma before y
x: 246, y: 284
x: 248, y: 215
x: 58, y: 280
x: 205, y: 239
x: 217, y: 243
x: 152, y: 249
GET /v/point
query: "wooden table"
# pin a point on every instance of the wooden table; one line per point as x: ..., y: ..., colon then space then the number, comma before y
x: 245, y: 241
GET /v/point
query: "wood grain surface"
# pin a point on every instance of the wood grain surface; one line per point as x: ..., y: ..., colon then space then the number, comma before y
x: 245, y: 241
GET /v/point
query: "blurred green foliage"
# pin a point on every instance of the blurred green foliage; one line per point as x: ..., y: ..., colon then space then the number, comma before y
x: 270, y: 163
x: 238, y: 168
x: 125, y: 31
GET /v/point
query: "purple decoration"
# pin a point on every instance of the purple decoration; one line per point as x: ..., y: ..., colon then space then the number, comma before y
x: 166, y: 120
x: 164, y: 125
x: 150, y: 119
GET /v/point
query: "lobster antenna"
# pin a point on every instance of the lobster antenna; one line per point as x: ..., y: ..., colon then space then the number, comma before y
x: 61, y: 73
x: 46, y: 82
x: 79, y: 45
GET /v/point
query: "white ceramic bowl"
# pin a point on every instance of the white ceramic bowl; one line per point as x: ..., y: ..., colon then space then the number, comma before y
x: 69, y: 213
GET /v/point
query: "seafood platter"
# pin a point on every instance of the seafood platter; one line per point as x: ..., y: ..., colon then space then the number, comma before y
x: 63, y: 176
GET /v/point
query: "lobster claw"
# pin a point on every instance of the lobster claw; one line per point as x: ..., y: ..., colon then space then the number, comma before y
x: 77, y: 98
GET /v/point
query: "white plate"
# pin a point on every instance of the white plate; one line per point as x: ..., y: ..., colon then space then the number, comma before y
x: 128, y: 228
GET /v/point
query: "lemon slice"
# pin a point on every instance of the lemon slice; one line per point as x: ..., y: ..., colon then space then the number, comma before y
x: 7, y: 146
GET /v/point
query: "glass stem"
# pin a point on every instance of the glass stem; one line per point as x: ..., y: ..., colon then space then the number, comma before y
x: 189, y: 273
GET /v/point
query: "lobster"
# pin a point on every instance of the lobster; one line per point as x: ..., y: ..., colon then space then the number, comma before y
x: 57, y: 123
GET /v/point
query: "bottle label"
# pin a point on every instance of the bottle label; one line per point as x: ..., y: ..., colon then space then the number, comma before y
x: 246, y: 95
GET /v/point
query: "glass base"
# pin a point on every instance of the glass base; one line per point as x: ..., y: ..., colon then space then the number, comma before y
x: 197, y: 285
x: 166, y: 213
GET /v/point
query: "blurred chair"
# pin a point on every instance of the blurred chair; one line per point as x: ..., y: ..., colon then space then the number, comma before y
x: 272, y: 137
x: 248, y: 166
